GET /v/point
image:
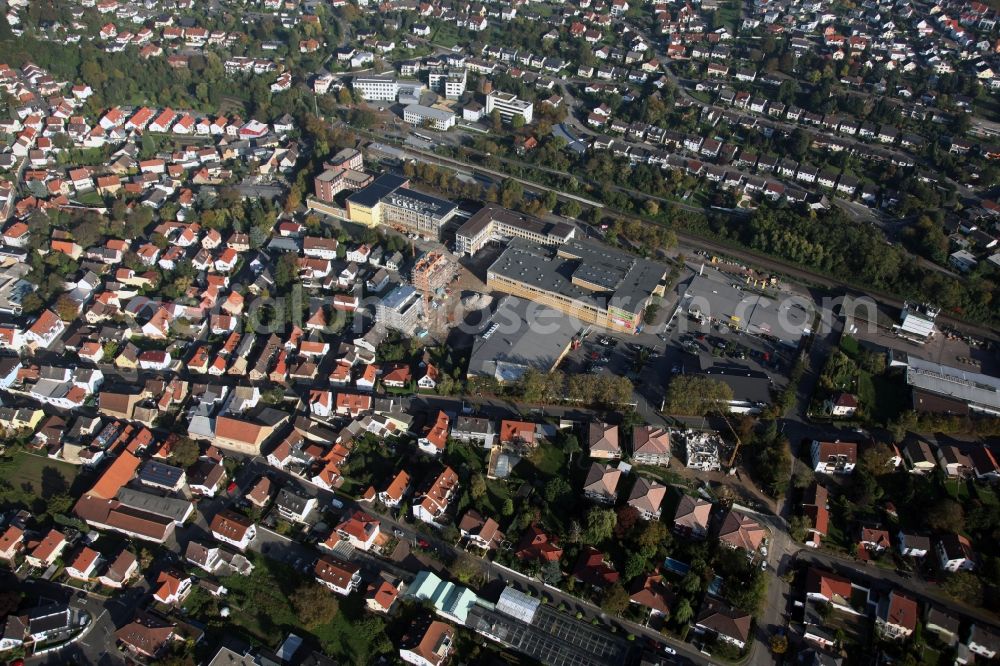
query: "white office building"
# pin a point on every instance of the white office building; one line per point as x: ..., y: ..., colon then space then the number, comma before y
x: 376, y: 89
x: 448, y: 82
x: 509, y: 106
x: 415, y: 114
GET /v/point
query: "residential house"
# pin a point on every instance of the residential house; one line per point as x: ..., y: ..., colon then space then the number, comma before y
x: 427, y: 643
x: 120, y: 571
x: 834, y: 457
x: 983, y: 641
x: 955, y: 553
x: 726, y: 624
x: 942, y: 624
x: 435, y: 436
x: 875, y: 539
x: 434, y: 502
x: 601, y: 484
x: 47, y: 551
x: 829, y: 588
x: 360, y: 530
x: 815, y: 507
x: 603, y: 440
x: 517, y: 434
x: 740, y: 531
x: 336, y: 574
x: 646, y: 497
x: 897, y: 615
x: 537, y: 544
x: 593, y: 569
x: 650, y: 445
x: 293, y: 506
x: 919, y: 456
x: 470, y: 429
x: 913, y: 545
x: 652, y: 593
x: 482, y: 532
x: 172, y: 588
x: 233, y: 528
x: 395, y: 491
x: 692, y: 516
x: 83, y: 566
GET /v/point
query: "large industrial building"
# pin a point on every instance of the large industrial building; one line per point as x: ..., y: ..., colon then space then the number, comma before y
x: 942, y: 389
x: 389, y: 201
x: 715, y: 297
x: 589, y: 281
x: 495, y: 223
x: 521, y: 336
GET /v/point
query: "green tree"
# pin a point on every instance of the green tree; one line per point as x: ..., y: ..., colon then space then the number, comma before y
x: 694, y: 395
x: 615, y: 600
x: 557, y: 489
x: 314, y: 605
x: 600, y: 525
x: 683, y: 612
x: 477, y: 486
x: 965, y: 586
x: 635, y: 566
x: 185, y: 452
x: 798, y: 527
x: 946, y: 515
x: 508, y: 508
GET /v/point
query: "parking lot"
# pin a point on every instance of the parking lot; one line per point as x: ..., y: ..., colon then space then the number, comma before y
x: 693, y: 346
x: 601, y: 353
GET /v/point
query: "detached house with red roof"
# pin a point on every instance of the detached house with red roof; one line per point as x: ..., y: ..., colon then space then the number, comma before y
x: 829, y: 588
x: 337, y: 575
x: 360, y: 530
x: 834, y: 457
x: 233, y: 528
x: 740, y: 531
x: 84, y: 564
x: 896, y: 617
x: 537, y: 544
x: 433, y: 503
x: 11, y: 543
x: 46, y: 330
x: 396, y: 490
x: 436, y: 435
x: 814, y: 506
x: 47, y: 551
x: 172, y: 588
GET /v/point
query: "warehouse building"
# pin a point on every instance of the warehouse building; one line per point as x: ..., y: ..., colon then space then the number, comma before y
x: 715, y: 297
x: 590, y: 282
x: 521, y: 336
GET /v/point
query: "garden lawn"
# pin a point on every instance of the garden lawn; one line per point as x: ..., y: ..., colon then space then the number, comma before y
x: 548, y: 459
x: 27, y: 480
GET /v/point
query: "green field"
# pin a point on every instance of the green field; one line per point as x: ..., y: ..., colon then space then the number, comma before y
x: 28, y: 481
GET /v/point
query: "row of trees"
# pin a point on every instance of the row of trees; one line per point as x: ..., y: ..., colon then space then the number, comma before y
x: 553, y: 387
